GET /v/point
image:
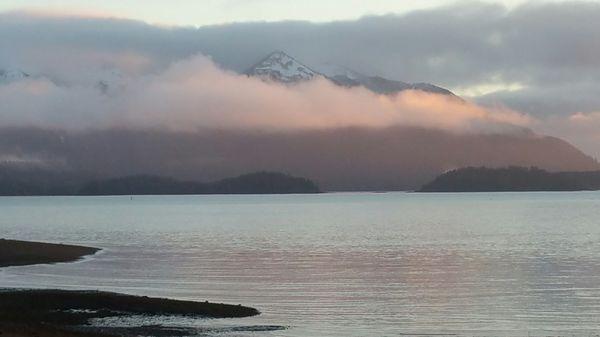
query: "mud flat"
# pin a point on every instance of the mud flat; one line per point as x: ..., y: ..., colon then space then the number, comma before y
x: 22, y: 253
x: 68, y: 313
x: 65, y: 313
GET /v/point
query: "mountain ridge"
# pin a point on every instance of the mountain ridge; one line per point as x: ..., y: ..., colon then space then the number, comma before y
x: 348, y: 159
x: 278, y: 66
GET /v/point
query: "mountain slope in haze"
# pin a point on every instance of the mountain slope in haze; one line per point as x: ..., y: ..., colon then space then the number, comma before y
x: 31, y: 179
x: 395, y: 158
x: 281, y: 67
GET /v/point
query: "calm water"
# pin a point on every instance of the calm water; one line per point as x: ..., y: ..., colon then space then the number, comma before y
x: 359, y: 264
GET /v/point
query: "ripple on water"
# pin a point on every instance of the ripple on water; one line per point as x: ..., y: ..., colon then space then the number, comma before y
x: 365, y: 265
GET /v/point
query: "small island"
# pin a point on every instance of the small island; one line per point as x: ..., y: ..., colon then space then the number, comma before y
x: 518, y: 179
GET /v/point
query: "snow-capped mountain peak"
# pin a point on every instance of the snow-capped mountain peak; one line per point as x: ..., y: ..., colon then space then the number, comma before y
x: 279, y: 66
x: 8, y: 76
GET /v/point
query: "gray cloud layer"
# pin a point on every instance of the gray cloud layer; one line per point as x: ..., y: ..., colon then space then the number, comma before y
x: 545, y: 53
x: 536, y: 44
x: 192, y: 94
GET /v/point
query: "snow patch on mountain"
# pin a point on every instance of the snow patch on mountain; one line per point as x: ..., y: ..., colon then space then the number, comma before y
x: 331, y: 70
x: 280, y: 67
x: 349, y: 78
x: 9, y: 76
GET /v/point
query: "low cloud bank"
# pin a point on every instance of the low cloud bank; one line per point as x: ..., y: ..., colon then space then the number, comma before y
x: 196, y: 94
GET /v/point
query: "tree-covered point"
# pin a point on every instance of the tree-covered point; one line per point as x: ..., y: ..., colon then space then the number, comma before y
x: 482, y: 179
x: 252, y: 183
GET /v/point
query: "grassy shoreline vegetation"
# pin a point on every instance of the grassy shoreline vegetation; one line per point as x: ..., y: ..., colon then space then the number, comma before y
x: 64, y: 313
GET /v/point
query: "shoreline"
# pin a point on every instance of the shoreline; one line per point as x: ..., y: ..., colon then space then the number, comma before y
x: 25, y: 253
x: 68, y: 313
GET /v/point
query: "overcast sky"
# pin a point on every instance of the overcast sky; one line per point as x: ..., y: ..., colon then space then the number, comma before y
x: 207, y: 12
x: 537, y: 58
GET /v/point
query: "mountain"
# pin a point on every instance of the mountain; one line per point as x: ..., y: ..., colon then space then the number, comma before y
x: 346, y: 159
x: 110, y: 82
x: 349, y: 78
x: 427, y: 87
x: 9, y: 76
x: 24, y: 179
x: 281, y: 67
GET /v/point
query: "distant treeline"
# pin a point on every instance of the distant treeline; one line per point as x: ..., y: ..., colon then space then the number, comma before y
x: 253, y: 183
x: 15, y: 182
x: 482, y: 179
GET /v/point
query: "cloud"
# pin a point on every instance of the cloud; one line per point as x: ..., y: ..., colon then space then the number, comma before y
x: 194, y: 93
x: 539, y: 58
x: 465, y: 44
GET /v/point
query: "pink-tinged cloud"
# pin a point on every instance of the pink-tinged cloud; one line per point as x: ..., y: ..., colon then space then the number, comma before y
x: 194, y: 93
